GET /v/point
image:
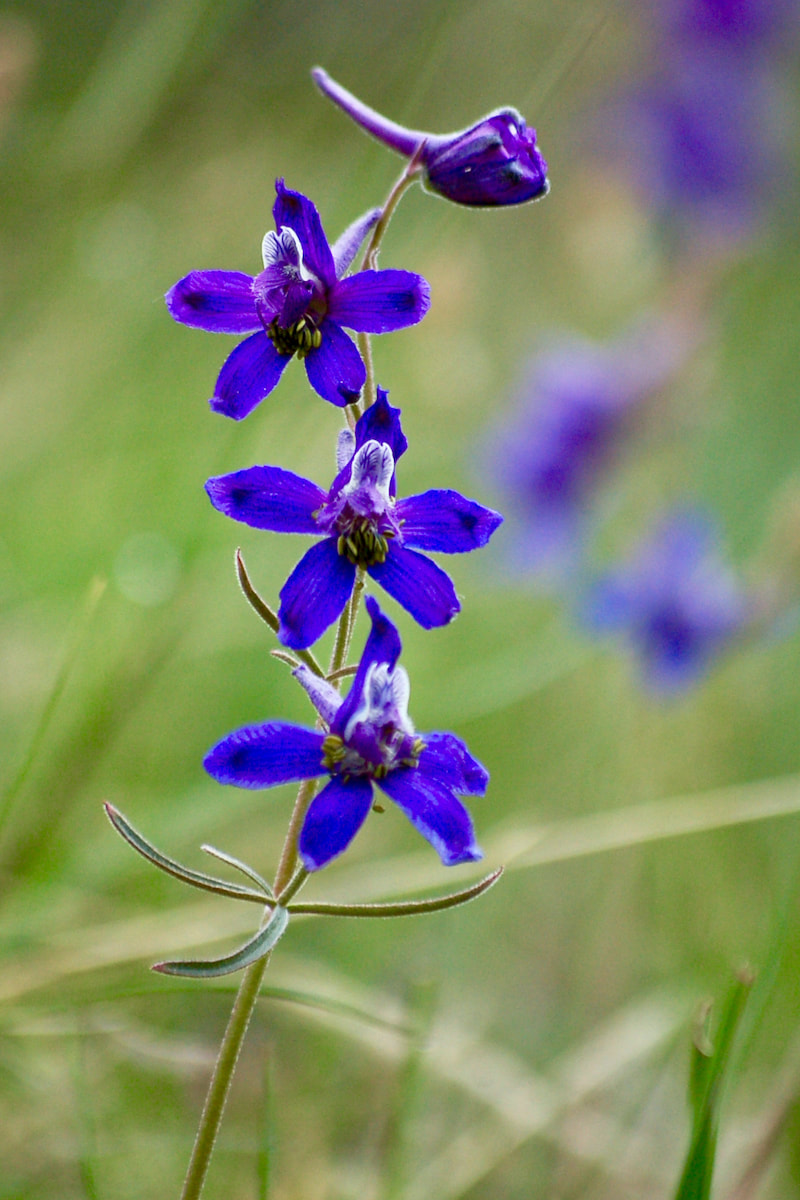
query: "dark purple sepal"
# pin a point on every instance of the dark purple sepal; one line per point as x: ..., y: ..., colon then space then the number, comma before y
x: 335, y: 369
x: 379, y: 301
x: 217, y: 301
x: 314, y: 595
x: 415, y: 582
x: 435, y: 812
x: 447, y: 521
x: 261, y: 756
x: 447, y: 760
x: 383, y: 645
x: 248, y: 375
x: 296, y: 211
x: 333, y: 819
x: 267, y: 498
x: 495, y: 162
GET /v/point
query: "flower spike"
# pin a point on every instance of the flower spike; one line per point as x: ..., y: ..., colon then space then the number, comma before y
x: 494, y: 162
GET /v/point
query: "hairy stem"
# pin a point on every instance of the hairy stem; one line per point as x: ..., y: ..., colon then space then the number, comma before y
x: 241, y: 1013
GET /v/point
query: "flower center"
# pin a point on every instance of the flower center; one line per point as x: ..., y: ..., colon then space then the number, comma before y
x: 299, y: 338
x: 362, y: 543
x: 341, y: 759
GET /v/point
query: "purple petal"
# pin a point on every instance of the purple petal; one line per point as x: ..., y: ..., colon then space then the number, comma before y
x: 335, y: 370
x: 436, y: 813
x: 267, y: 498
x: 447, y: 761
x: 323, y: 695
x: 347, y: 245
x: 296, y: 211
x: 397, y: 137
x: 447, y: 521
x: 261, y: 756
x: 314, y: 594
x: 247, y: 376
x: 333, y: 819
x: 380, y: 423
x: 218, y: 301
x: 382, y: 646
x: 423, y: 589
x: 379, y: 301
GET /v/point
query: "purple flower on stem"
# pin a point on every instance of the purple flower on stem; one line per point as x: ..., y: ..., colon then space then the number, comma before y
x: 370, y: 740
x: 363, y: 526
x: 494, y: 162
x: 678, y: 602
x: 297, y: 306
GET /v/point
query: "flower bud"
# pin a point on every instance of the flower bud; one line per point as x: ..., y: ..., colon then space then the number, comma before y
x: 494, y: 162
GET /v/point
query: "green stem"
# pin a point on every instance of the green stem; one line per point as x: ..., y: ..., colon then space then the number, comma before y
x: 370, y: 263
x: 409, y: 177
x: 345, y: 630
x: 241, y: 1013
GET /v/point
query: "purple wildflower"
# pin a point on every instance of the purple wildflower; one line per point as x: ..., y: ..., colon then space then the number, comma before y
x: 297, y: 305
x: 370, y: 739
x: 362, y: 524
x: 677, y: 601
x: 743, y: 25
x: 704, y: 140
x: 577, y: 404
x: 494, y: 162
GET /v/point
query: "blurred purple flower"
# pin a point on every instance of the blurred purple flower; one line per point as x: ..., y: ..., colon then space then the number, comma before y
x: 494, y: 162
x: 706, y: 133
x: 370, y: 740
x: 576, y: 405
x: 363, y: 525
x: 297, y: 305
x: 676, y: 600
x: 745, y: 25
x: 702, y: 139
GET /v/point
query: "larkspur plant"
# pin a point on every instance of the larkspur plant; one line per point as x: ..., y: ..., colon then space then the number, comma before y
x: 299, y: 306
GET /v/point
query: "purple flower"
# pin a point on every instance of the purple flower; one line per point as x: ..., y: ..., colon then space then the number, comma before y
x: 370, y: 739
x: 676, y: 600
x: 577, y: 404
x: 297, y: 305
x: 703, y: 138
x: 362, y: 524
x: 744, y: 25
x: 494, y: 162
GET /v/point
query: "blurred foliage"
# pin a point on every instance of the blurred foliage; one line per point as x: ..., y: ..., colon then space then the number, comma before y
x: 140, y: 141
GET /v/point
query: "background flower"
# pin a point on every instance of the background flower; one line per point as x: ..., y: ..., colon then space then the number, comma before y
x: 676, y: 601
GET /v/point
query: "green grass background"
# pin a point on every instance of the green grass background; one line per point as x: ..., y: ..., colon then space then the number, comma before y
x: 536, y: 1042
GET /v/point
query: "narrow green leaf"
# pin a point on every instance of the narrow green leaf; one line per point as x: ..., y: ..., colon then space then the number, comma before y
x: 267, y: 614
x: 405, y: 908
x: 197, y: 879
x: 249, y: 953
x: 239, y: 866
x: 706, y: 1089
